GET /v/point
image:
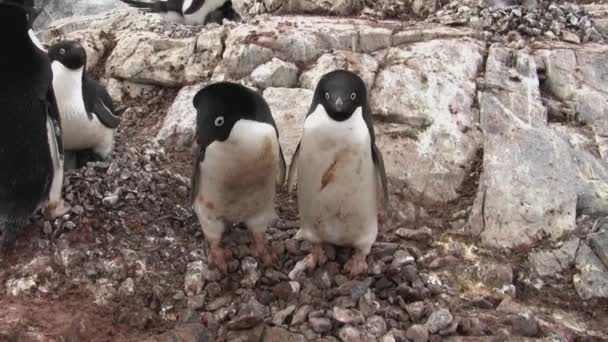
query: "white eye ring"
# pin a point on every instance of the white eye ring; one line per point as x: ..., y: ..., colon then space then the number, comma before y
x: 62, y: 51
x: 353, y: 96
x: 327, y: 96
x: 219, y: 121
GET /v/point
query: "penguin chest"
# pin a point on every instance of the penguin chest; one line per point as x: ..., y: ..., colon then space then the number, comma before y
x: 238, y: 176
x: 198, y: 17
x: 80, y: 130
x: 337, y: 181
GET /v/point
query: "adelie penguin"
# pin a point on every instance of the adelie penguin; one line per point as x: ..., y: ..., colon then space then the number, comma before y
x: 340, y: 171
x: 31, y: 152
x: 87, y: 110
x: 238, y: 163
x: 189, y: 12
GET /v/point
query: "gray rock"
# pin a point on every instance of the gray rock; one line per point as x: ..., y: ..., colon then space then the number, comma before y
x: 375, y: 38
x: 416, y: 310
x: 592, y: 281
x: 418, y: 333
x: 276, y: 334
x: 250, y: 315
x: 301, y: 315
x: 289, y: 108
x: 15, y: 287
x: 179, y: 124
x: 420, y: 234
x: 275, y: 73
x: 439, y: 320
x: 127, y: 288
x: 406, y: 91
x: 402, y: 258
x: 69, y: 258
x: 551, y: 263
x: 148, y: 58
x: 280, y: 317
x: 196, y: 302
x: 55, y: 10
x: 525, y: 326
x: 347, y: 316
x: 513, y: 118
x: 350, y: 333
x: 364, y: 65
x: 338, y: 7
x: 251, y: 274
x: 376, y: 325
x: 194, y: 281
x: 320, y: 324
x: 599, y: 243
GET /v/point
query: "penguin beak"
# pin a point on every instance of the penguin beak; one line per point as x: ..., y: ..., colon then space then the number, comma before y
x: 339, y: 103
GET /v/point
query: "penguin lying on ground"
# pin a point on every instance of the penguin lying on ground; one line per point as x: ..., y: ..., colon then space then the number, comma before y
x: 31, y: 152
x: 339, y: 171
x: 238, y: 164
x: 86, y: 108
x: 189, y: 12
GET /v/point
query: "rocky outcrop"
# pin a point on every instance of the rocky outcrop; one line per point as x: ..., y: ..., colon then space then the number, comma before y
x: 511, y: 142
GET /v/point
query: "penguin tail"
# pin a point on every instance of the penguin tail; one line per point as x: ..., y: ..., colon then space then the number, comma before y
x: 152, y: 7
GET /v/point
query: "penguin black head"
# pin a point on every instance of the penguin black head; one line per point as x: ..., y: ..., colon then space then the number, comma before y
x: 219, y: 107
x: 340, y: 92
x: 69, y: 53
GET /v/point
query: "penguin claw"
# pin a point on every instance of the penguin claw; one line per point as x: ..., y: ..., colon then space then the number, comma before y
x: 218, y: 258
x: 356, y: 265
x: 55, y: 210
x: 261, y: 250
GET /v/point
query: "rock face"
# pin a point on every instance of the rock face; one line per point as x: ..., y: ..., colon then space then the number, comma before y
x: 58, y: 9
x: 479, y: 135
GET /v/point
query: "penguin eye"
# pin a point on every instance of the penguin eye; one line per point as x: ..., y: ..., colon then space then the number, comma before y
x: 62, y: 51
x: 27, y: 17
x: 353, y: 96
x: 326, y: 95
x: 219, y: 121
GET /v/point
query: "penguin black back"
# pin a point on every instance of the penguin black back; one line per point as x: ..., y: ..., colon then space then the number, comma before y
x: 26, y: 99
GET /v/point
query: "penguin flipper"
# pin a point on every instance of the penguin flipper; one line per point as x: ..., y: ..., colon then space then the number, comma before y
x: 293, y: 169
x: 379, y: 164
x: 195, y: 5
x: 153, y: 7
x: 105, y: 115
x: 52, y: 110
x: 281, y: 175
x: 198, y: 155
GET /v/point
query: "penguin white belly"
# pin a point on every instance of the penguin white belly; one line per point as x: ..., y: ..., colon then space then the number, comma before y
x: 198, y: 17
x: 238, y: 176
x: 79, y: 130
x: 337, y: 182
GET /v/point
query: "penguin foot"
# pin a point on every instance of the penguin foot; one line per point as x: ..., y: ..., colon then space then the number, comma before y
x: 261, y: 250
x: 316, y: 257
x: 55, y: 210
x: 356, y: 265
x: 218, y: 257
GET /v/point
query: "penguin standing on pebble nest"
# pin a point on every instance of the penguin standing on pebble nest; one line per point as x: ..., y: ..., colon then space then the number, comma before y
x: 340, y: 171
x: 31, y: 151
x: 189, y: 12
x: 86, y: 108
x: 238, y: 163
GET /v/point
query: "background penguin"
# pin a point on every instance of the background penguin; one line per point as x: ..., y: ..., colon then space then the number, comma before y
x: 86, y: 108
x: 226, y: 11
x: 340, y: 171
x: 189, y: 12
x: 31, y: 152
x: 238, y: 163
